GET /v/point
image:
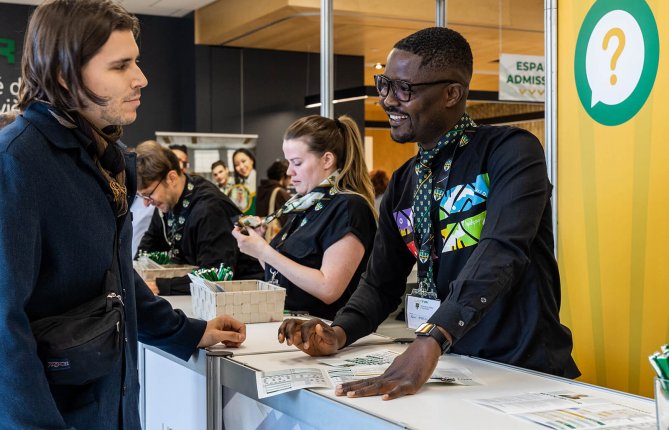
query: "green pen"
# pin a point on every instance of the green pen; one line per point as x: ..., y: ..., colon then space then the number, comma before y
x: 661, y: 375
x: 661, y: 360
x: 656, y: 366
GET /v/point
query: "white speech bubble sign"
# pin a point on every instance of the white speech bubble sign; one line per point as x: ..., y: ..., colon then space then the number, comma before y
x: 629, y: 64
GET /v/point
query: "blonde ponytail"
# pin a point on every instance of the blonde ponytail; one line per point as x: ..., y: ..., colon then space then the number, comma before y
x: 354, y: 176
x: 342, y: 138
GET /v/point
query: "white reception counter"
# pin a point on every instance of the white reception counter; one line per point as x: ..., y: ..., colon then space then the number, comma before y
x: 179, y: 395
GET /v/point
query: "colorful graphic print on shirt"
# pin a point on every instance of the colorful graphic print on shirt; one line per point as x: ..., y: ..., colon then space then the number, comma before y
x: 404, y: 221
x: 460, y: 199
x: 457, y: 200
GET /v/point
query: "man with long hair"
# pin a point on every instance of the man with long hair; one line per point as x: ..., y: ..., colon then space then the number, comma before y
x: 59, y: 238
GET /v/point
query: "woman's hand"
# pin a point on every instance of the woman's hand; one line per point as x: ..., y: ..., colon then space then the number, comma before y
x: 252, y: 222
x: 252, y: 244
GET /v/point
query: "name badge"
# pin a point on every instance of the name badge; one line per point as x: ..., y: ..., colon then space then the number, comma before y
x: 419, y: 309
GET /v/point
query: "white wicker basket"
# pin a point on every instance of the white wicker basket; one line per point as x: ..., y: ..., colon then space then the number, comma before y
x: 149, y: 272
x: 246, y: 301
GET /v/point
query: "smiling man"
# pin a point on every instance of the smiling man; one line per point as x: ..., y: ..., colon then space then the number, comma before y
x: 58, y: 248
x: 472, y: 210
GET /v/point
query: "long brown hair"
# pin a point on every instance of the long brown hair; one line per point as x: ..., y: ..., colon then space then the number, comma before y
x: 62, y: 37
x: 341, y: 137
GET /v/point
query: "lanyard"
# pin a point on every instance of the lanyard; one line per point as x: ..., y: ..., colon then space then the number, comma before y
x: 426, y: 285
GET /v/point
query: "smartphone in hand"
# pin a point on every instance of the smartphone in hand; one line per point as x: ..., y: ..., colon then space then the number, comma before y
x: 248, y: 221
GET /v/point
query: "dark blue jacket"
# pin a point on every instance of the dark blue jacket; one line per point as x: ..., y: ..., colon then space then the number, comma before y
x: 56, y: 238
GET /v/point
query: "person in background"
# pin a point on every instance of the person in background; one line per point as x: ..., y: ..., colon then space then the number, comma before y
x: 273, y: 191
x: 182, y: 155
x: 193, y: 222
x: 80, y: 84
x: 220, y: 174
x: 473, y: 210
x: 243, y: 192
x: 380, y: 182
x: 141, y: 217
x: 320, y: 254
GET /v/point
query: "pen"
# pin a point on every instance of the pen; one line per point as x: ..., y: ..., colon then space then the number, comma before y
x: 652, y: 359
x: 664, y: 364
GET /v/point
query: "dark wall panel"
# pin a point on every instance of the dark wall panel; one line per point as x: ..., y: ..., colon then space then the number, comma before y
x: 255, y: 91
x: 167, y: 55
x: 226, y: 91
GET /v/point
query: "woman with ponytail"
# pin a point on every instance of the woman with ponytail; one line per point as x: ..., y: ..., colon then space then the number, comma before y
x: 321, y: 252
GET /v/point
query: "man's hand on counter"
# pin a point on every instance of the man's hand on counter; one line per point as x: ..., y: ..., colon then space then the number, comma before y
x: 223, y: 329
x: 408, y: 372
x: 313, y: 336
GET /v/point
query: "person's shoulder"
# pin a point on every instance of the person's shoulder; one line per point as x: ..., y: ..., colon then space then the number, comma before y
x: 354, y: 204
x: 504, y: 133
x: 16, y: 135
x: 406, y: 166
x: 406, y: 169
x: 508, y: 139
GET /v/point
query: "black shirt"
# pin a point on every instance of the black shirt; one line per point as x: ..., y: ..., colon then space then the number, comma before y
x: 206, y: 239
x: 345, y: 213
x: 494, y: 268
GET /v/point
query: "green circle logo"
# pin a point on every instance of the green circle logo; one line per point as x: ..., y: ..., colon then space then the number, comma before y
x: 616, y: 60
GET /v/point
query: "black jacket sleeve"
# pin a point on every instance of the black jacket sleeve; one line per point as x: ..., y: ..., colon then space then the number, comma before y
x: 382, y: 285
x: 162, y: 326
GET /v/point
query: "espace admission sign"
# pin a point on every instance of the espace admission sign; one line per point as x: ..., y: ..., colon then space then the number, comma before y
x: 522, y: 78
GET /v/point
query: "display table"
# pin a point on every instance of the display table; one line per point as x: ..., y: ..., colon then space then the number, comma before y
x: 435, y: 406
x: 197, y: 389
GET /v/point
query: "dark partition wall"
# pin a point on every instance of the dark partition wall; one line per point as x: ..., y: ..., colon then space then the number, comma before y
x: 205, y: 88
x: 167, y: 56
x: 256, y: 91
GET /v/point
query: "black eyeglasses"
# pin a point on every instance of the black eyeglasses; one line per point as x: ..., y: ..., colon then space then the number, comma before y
x: 402, y: 89
x: 149, y: 197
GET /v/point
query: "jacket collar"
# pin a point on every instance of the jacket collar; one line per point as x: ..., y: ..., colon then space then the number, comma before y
x: 37, y: 114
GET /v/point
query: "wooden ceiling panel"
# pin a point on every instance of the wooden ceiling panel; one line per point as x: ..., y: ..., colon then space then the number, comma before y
x: 370, y: 28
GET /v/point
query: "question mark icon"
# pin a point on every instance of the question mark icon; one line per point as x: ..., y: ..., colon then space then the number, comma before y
x: 614, y: 32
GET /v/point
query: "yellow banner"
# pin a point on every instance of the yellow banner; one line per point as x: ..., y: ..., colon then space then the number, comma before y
x: 613, y: 186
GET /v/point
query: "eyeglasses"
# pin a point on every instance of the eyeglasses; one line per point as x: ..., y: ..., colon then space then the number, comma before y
x: 149, y: 197
x: 402, y: 89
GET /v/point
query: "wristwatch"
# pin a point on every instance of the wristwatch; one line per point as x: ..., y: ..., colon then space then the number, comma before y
x: 429, y: 329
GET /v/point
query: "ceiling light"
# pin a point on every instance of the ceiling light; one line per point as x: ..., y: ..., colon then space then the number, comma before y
x: 341, y: 96
x: 379, y: 66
